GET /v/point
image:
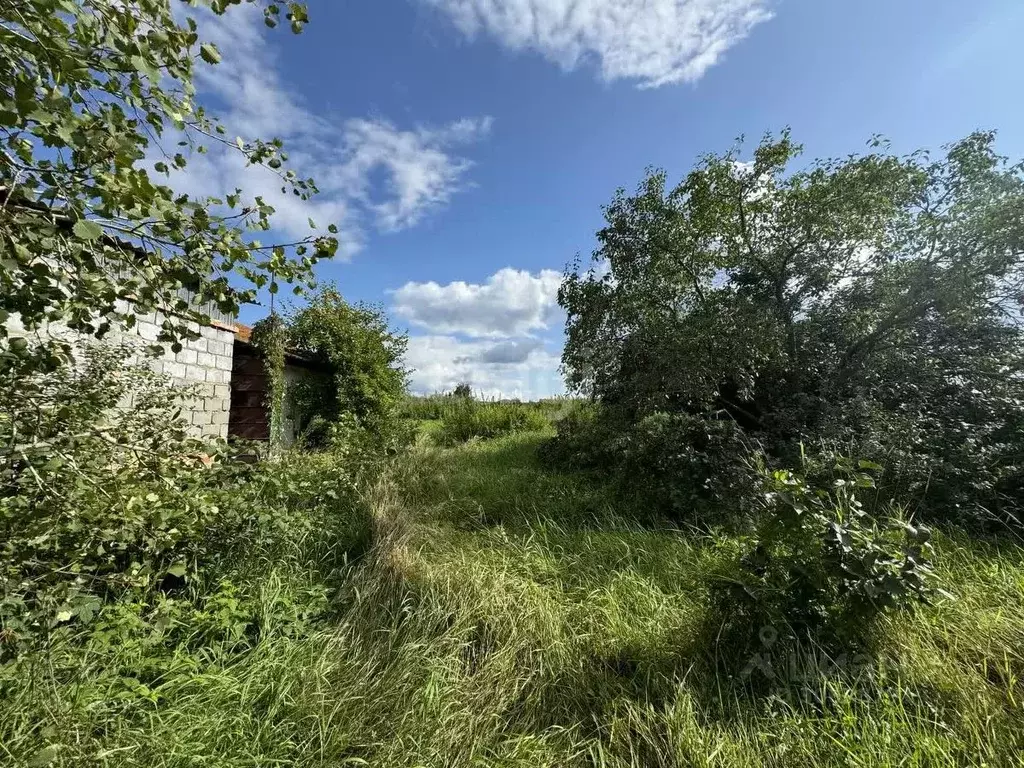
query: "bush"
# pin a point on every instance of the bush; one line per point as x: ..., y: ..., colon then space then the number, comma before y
x: 581, y: 440
x: 346, y: 436
x: 962, y: 462
x: 360, y: 352
x: 467, y: 419
x: 686, y: 467
x: 105, y: 498
x: 691, y: 467
x: 817, y: 564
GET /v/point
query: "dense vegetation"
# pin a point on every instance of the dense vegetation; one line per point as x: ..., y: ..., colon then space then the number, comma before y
x: 359, y: 358
x: 137, y: 559
x: 458, y: 416
x: 820, y: 360
x: 780, y: 527
x: 509, y: 615
x: 867, y: 305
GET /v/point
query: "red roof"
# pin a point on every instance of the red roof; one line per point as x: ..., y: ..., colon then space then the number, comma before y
x: 243, y: 332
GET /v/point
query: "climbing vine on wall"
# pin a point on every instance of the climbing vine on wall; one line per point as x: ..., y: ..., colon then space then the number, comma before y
x: 268, y: 337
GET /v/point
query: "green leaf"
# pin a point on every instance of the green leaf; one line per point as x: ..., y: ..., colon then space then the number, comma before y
x: 87, y: 230
x: 178, y: 569
x: 87, y: 610
x: 209, y: 53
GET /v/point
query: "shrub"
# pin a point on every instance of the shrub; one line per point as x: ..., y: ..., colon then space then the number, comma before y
x: 470, y: 418
x: 581, y: 439
x: 690, y: 466
x: 818, y: 564
x: 962, y: 462
x: 345, y: 435
x: 104, y: 497
x: 686, y: 467
x: 361, y: 353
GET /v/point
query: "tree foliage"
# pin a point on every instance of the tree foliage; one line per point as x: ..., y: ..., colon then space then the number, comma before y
x: 362, y: 355
x: 91, y: 91
x: 872, y: 300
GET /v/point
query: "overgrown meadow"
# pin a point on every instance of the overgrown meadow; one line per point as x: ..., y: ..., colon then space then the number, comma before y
x: 778, y: 523
x: 464, y: 603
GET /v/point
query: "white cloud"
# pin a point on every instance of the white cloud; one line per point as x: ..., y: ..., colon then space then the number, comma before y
x: 422, y: 175
x: 504, y: 369
x: 653, y: 42
x: 502, y: 358
x: 511, y: 303
x: 418, y: 165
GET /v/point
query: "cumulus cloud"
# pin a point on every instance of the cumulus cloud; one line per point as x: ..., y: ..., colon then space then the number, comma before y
x: 483, y: 334
x: 652, y: 42
x: 493, y: 369
x: 420, y: 166
x: 510, y: 303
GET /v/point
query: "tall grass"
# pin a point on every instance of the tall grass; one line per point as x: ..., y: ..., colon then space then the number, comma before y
x: 471, y: 418
x: 441, y: 406
x: 508, y: 616
x: 428, y: 407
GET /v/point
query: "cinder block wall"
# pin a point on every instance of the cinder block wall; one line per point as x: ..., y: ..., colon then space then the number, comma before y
x: 203, y: 364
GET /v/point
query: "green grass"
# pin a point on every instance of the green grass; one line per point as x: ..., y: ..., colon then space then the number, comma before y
x: 508, y: 615
x: 471, y: 419
x: 602, y: 629
x: 450, y: 408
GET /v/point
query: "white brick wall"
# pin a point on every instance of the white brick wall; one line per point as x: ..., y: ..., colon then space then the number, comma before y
x: 204, y: 364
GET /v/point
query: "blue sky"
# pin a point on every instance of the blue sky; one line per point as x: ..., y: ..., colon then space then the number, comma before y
x: 464, y: 147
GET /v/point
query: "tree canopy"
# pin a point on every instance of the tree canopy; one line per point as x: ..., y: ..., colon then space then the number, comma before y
x: 874, y: 297
x: 98, y: 109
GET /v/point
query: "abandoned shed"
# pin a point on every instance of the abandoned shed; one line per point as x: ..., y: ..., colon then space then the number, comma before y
x: 221, y: 366
x: 249, y: 414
